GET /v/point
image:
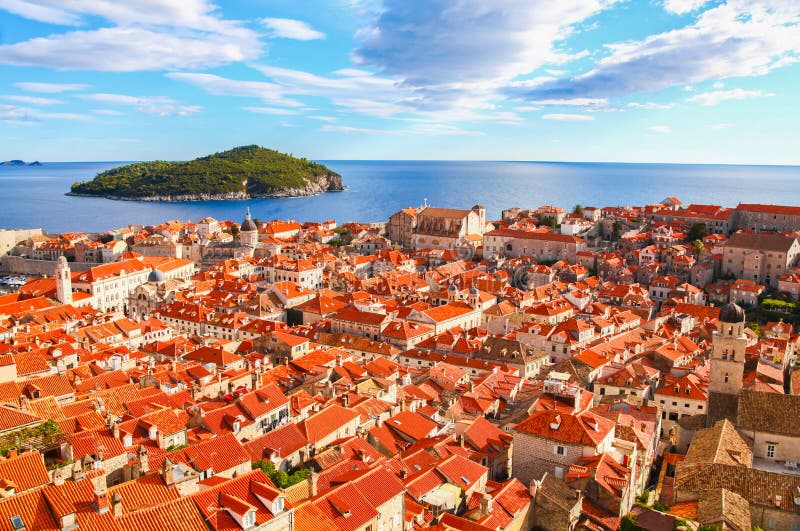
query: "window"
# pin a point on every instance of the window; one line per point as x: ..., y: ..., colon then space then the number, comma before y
x: 771, y: 451
x: 17, y: 523
x: 560, y: 450
x: 559, y: 472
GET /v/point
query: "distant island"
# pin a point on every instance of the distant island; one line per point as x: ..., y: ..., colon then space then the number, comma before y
x: 17, y: 162
x: 240, y: 173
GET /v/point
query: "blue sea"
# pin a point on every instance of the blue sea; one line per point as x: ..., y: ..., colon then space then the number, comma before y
x: 33, y: 197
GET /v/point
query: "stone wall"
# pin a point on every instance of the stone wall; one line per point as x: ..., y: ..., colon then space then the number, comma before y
x: 533, y: 456
x: 10, y: 238
x: 18, y: 265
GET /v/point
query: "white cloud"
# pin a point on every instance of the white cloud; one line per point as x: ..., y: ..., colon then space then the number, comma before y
x: 147, y: 35
x: 680, y: 7
x: 579, y: 102
x: 127, y: 49
x: 718, y: 96
x: 322, y: 118
x: 349, y: 129
x: 432, y: 129
x: 448, y: 50
x: 568, y: 117
x: 193, y: 14
x: 720, y: 126
x: 661, y: 129
x: 288, y: 28
x: 40, y: 13
x: 718, y: 85
x: 221, y: 86
x: 736, y: 38
x: 19, y: 115
x: 159, y: 105
x: 49, y: 88
x: 32, y: 100
x: 107, y: 112
x: 649, y: 105
x: 270, y: 110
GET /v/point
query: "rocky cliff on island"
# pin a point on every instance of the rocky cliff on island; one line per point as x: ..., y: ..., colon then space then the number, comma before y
x: 240, y: 173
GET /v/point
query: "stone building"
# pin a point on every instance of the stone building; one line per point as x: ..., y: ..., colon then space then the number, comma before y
x: 767, y: 217
x: 400, y: 228
x: 763, y: 257
x: 446, y: 228
x: 514, y: 243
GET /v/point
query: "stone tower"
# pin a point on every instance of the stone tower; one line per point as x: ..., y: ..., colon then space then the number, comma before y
x: 728, y: 352
x: 63, y: 281
x: 248, y: 232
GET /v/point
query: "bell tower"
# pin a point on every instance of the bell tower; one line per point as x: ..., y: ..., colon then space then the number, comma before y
x: 63, y: 281
x: 728, y: 352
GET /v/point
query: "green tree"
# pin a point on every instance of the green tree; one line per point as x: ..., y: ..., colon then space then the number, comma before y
x: 280, y: 478
x: 629, y: 522
x: 698, y: 248
x: 578, y: 210
x: 698, y: 231
x: 549, y: 221
x: 616, y: 230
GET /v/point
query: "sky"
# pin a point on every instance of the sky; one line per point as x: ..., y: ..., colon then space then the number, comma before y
x: 569, y: 80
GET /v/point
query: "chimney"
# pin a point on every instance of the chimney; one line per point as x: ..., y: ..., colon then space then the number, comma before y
x: 77, y: 472
x: 116, y: 505
x: 346, y: 399
x: 101, y: 505
x: 144, y: 462
x: 314, y: 483
x: 169, y: 473
x: 115, y: 430
x: 487, y: 504
x: 533, y: 488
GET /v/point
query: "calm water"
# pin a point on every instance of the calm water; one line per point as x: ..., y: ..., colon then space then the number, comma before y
x: 34, y: 196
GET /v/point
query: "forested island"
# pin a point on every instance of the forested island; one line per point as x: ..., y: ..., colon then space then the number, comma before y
x: 240, y: 173
x: 17, y: 162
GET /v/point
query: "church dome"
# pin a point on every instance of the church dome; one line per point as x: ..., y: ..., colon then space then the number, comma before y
x: 248, y: 224
x: 732, y: 313
x: 156, y: 276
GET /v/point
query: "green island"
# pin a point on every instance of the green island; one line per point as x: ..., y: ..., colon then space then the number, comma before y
x: 240, y: 173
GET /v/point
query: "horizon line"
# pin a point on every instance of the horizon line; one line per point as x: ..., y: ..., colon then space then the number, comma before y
x: 777, y: 165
